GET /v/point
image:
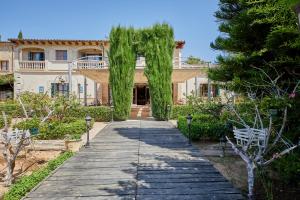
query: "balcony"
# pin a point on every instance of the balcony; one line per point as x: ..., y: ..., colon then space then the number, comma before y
x: 32, y: 65
x: 91, y: 64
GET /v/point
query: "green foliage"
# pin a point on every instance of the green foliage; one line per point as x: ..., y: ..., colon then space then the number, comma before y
x: 98, y: 113
x: 211, y: 108
x: 20, y: 35
x: 6, y: 79
x: 62, y: 105
x: 158, y: 45
x: 58, y: 130
x: 28, y: 124
x: 194, y: 60
x: 27, y: 183
x: 2, y: 123
x: 288, y: 168
x: 203, y: 126
x: 11, y: 109
x: 122, y: 60
x: 262, y: 34
x: 36, y: 103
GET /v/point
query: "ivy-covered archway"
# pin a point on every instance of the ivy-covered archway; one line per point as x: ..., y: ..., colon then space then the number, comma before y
x: 156, y: 44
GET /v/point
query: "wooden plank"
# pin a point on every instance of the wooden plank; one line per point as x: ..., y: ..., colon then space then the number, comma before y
x: 137, y: 160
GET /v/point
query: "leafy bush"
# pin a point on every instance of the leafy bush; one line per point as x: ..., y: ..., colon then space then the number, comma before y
x: 26, y: 183
x: 98, y: 113
x: 2, y: 123
x: 12, y: 109
x: 211, y: 108
x: 202, y: 126
x: 58, y: 130
x: 28, y: 124
x: 288, y: 168
x: 35, y: 103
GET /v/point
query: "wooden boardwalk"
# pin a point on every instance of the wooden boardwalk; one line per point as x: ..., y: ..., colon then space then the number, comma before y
x: 147, y: 160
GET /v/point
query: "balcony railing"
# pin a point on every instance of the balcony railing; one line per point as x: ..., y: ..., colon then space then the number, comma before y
x: 32, y: 65
x: 91, y: 64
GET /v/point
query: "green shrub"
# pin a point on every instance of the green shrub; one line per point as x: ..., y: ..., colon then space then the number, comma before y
x: 27, y: 183
x: 182, y: 110
x: 288, y: 168
x: 28, y: 124
x: 35, y: 103
x: 98, y: 113
x: 58, y: 130
x: 2, y: 123
x: 12, y: 109
x: 211, y: 108
x: 202, y: 127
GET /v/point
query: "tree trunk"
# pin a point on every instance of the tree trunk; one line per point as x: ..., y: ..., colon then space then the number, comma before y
x: 9, y: 173
x: 251, y: 179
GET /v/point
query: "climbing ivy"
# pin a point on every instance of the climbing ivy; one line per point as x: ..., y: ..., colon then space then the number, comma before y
x: 157, y: 45
x: 122, y: 60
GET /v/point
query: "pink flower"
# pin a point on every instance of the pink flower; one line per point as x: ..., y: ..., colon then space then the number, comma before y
x: 292, y: 95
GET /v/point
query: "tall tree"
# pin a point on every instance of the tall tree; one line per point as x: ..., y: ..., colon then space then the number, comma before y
x: 157, y: 45
x: 20, y: 35
x: 122, y: 60
x: 256, y: 34
x: 259, y: 39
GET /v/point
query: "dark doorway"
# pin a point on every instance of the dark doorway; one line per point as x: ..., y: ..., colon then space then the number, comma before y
x: 141, y: 95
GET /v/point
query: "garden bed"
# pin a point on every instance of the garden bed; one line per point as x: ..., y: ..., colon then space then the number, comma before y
x: 26, y: 163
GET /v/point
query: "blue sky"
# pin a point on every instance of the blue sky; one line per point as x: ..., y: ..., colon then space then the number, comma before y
x: 192, y: 20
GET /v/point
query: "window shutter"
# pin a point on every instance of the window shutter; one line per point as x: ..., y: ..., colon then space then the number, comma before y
x: 53, y: 89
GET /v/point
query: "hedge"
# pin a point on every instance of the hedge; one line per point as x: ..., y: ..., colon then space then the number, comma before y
x: 203, y: 108
x: 98, y: 113
x: 27, y: 183
x: 203, y: 126
x: 55, y: 130
x: 72, y: 130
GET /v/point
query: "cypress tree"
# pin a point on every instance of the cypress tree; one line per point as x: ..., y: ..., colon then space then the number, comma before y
x: 20, y: 35
x: 122, y: 60
x: 157, y: 45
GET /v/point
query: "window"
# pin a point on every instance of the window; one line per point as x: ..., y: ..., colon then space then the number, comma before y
x: 204, y: 90
x: 61, y: 55
x: 36, y: 56
x: 4, y: 65
x: 59, y: 89
x: 41, y: 89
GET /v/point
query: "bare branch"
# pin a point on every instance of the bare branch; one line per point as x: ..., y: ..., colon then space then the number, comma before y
x: 282, y: 127
x: 23, y: 107
x: 279, y: 155
x: 238, y: 151
x: 5, y: 122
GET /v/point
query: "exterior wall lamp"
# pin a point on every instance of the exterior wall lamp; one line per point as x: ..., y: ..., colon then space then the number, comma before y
x: 189, y: 121
x: 88, y: 121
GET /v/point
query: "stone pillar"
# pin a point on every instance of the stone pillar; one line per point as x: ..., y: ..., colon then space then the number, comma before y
x: 95, y: 93
x: 175, y: 93
x: 85, y: 91
x: 105, y: 93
